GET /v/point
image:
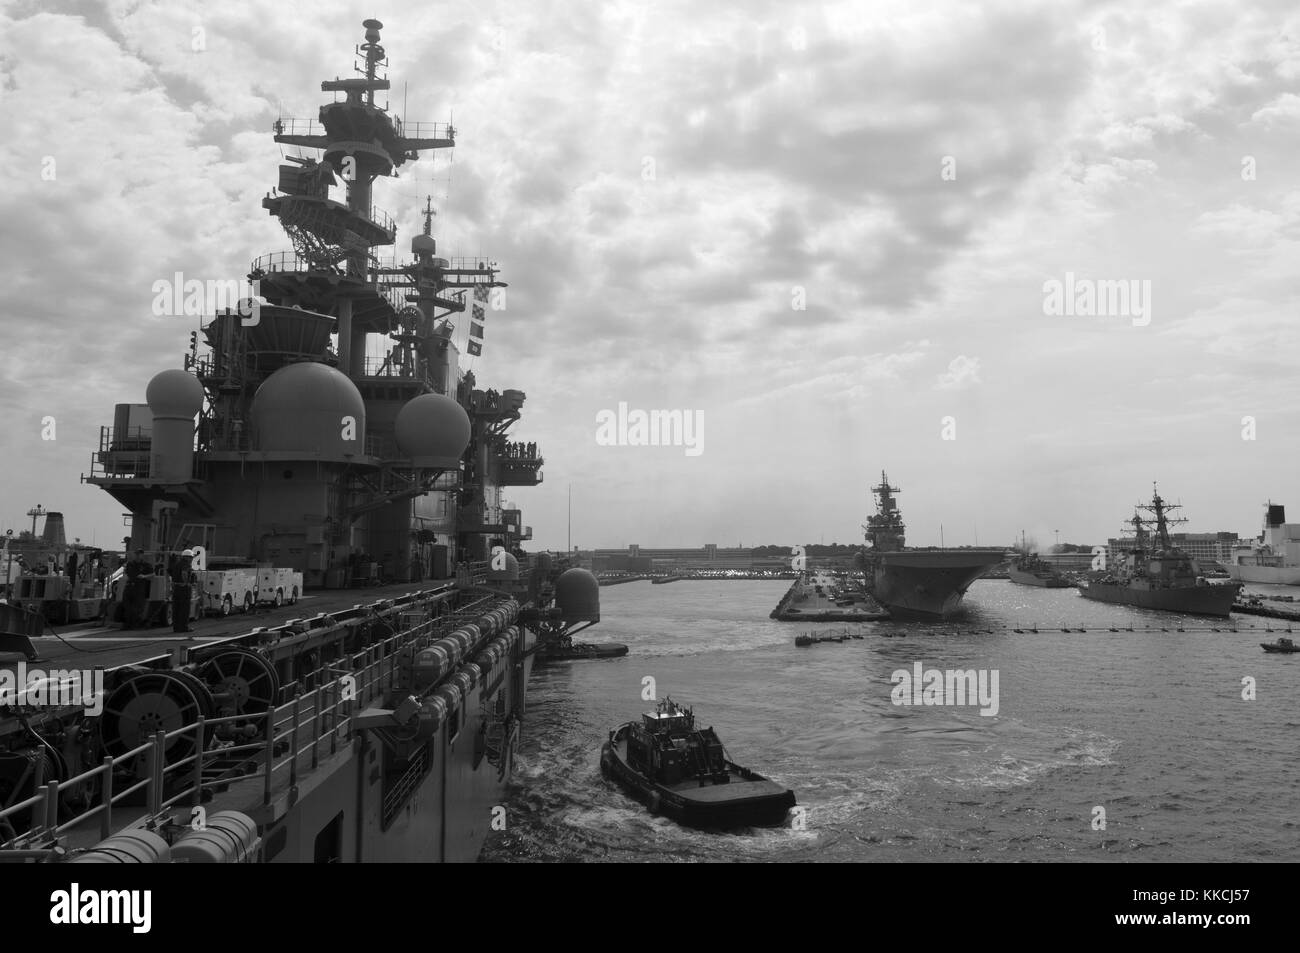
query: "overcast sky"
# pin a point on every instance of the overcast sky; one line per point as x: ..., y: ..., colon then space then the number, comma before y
x: 663, y: 185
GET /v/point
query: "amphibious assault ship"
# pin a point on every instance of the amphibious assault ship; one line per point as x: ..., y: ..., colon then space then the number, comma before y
x: 342, y: 728
x: 925, y: 582
x: 1275, y: 557
x: 1155, y: 574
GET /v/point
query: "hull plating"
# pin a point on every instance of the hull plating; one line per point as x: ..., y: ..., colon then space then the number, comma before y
x: 1197, y: 600
x: 1029, y: 579
x: 928, y: 584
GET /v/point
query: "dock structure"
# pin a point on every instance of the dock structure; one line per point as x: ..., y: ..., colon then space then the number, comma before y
x: 823, y: 597
x: 1266, y: 607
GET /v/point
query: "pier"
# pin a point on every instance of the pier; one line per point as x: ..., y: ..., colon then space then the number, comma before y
x: 817, y: 597
x: 1258, y: 606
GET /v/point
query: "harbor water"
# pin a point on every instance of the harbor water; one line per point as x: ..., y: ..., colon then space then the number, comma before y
x: 1151, y: 727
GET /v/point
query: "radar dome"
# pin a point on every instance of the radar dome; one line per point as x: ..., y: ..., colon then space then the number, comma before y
x: 174, y: 393
x: 502, y: 567
x: 542, y: 562
x: 433, y: 430
x: 422, y: 243
x: 577, y: 596
x: 312, y: 408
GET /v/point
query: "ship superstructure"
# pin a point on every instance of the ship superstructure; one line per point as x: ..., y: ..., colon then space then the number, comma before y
x: 1274, y: 558
x: 925, y: 582
x: 1156, y: 574
x: 316, y: 456
x: 329, y: 431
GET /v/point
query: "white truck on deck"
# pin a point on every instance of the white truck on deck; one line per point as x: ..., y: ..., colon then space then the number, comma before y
x: 278, y: 586
x: 225, y: 590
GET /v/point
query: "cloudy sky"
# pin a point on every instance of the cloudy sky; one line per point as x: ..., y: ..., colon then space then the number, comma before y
x: 824, y: 227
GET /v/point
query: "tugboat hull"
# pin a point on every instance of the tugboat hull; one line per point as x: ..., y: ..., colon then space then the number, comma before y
x: 746, y: 800
x: 1195, y: 600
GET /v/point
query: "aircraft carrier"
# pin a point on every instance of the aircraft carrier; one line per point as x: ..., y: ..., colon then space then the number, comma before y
x: 924, y: 583
x: 321, y: 430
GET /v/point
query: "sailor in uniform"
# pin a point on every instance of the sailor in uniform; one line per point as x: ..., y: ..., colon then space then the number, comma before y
x: 181, y: 574
x: 137, y: 590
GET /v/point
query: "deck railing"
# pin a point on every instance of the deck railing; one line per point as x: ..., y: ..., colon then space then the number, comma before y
x: 297, y: 729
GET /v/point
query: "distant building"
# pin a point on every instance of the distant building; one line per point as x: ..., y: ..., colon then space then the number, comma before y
x: 1069, y: 562
x: 711, y: 556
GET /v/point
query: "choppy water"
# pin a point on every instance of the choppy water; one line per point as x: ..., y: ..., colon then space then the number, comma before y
x: 1151, y: 726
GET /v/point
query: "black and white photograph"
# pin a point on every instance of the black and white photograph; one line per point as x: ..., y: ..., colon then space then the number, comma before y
x: 651, y: 432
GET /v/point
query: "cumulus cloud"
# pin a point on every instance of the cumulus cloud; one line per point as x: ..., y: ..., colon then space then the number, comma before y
x: 745, y: 212
x: 962, y: 372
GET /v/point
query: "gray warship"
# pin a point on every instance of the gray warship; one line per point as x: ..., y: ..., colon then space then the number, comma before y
x: 915, y: 582
x: 350, y: 726
x: 1156, y: 574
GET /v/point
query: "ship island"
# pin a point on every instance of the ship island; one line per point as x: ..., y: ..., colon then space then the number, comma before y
x: 276, y: 464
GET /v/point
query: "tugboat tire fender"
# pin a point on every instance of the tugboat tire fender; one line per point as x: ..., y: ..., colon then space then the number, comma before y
x: 655, y: 802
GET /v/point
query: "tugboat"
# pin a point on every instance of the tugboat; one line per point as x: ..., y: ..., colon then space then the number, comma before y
x: 1282, y: 645
x: 683, y: 772
x: 1156, y: 574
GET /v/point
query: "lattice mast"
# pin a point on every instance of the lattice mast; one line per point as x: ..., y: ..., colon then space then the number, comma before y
x: 358, y: 142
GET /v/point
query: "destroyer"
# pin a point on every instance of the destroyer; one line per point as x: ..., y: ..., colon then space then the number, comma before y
x: 375, y: 730
x: 1155, y: 574
x: 683, y: 772
x: 919, y: 582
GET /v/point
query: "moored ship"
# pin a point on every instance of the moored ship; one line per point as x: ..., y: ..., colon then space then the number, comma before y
x: 381, y: 729
x: 1274, y: 558
x: 928, y: 583
x: 1155, y: 574
x: 1030, y: 569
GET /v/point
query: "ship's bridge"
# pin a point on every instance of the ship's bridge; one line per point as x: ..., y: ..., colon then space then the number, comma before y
x: 288, y: 277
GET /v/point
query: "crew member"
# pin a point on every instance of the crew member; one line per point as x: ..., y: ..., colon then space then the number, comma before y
x: 136, y: 595
x: 181, y: 592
